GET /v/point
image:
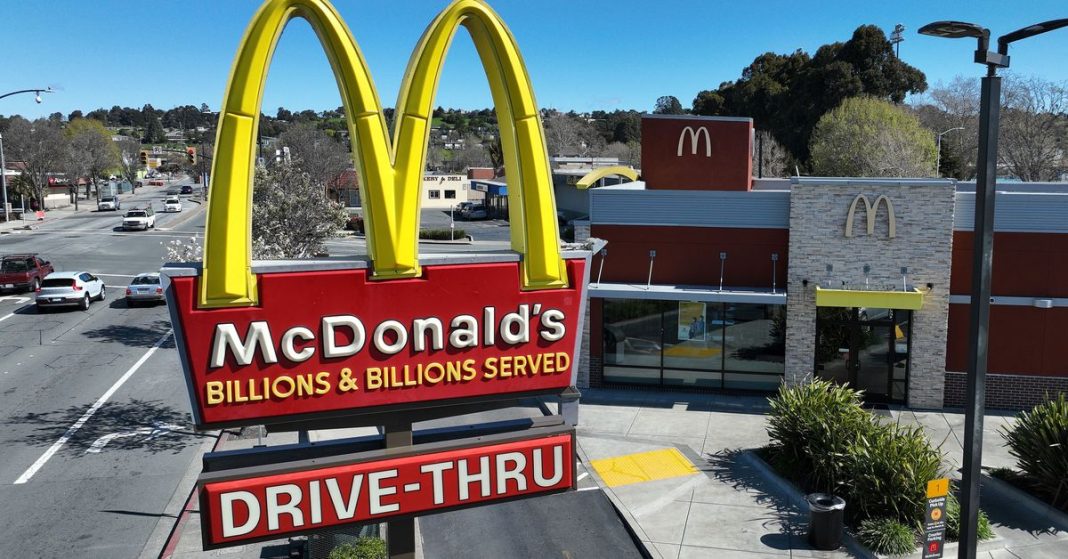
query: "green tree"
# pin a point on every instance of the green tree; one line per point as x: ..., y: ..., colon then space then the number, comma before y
x: 869, y: 137
x: 786, y: 94
x: 668, y: 105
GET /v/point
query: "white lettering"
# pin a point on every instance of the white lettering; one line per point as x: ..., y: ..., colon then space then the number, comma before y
x: 489, y: 332
x: 521, y: 319
x: 421, y: 326
x: 330, y: 347
x: 558, y: 467
x: 275, y: 509
x: 376, y: 492
x: 288, y: 349
x: 229, y: 530
x: 439, y: 484
x: 482, y: 477
x: 315, y: 502
x: 342, y: 509
x: 464, y: 332
x: 398, y: 344
x: 504, y: 473
x: 259, y: 334
x: 553, y: 320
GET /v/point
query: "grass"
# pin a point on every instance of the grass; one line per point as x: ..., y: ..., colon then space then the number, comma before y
x: 442, y: 234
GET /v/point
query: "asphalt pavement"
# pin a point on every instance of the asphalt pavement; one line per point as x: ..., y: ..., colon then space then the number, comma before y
x: 96, y: 431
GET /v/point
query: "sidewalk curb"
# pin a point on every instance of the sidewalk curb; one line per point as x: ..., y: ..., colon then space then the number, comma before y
x: 1008, y: 492
x: 637, y: 534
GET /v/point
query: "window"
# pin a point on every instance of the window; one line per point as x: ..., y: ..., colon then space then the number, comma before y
x: 693, y: 343
x: 450, y: 194
x: 434, y: 194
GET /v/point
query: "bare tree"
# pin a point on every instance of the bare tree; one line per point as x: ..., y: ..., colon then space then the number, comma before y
x: 955, y: 105
x: 322, y: 157
x: 473, y: 154
x: 292, y: 216
x: 129, y: 159
x: 771, y: 158
x: 41, y: 147
x: 563, y: 134
x: 1033, y: 128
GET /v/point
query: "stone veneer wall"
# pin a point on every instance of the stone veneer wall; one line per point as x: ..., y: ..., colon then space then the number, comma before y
x: 923, y: 243
x: 582, y: 234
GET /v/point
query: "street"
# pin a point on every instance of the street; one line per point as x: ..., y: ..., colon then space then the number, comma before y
x: 96, y: 421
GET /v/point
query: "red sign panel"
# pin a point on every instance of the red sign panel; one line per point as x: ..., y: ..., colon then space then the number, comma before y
x: 327, y: 342
x: 272, y: 506
x: 697, y: 153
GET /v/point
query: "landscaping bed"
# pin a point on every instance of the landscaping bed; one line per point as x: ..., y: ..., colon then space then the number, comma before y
x: 823, y: 441
x: 1038, y: 440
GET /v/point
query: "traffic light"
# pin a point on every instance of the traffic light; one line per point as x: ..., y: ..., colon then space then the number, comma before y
x: 191, y: 155
x: 144, y: 158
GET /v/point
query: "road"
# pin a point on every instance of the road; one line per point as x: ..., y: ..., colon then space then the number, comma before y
x: 96, y: 432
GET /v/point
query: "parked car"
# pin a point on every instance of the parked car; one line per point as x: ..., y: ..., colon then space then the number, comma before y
x: 139, y: 184
x: 477, y: 211
x: 144, y: 218
x: 172, y: 204
x: 70, y: 288
x: 187, y: 189
x: 110, y: 203
x: 463, y: 206
x: 145, y: 288
x: 23, y: 271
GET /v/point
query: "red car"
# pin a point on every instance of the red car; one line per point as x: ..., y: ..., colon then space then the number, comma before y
x: 23, y: 272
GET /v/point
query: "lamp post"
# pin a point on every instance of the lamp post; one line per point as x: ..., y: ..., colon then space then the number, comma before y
x: 982, y: 261
x: 938, y: 156
x: 3, y: 164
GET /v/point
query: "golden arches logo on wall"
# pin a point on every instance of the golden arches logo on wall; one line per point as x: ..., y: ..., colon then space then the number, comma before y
x: 390, y: 170
x: 870, y: 212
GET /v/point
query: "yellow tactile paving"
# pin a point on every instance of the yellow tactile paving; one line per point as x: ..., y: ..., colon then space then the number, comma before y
x: 643, y: 466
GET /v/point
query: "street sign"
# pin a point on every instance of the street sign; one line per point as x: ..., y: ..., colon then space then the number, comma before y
x: 934, y: 526
x: 156, y: 150
x: 263, y: 503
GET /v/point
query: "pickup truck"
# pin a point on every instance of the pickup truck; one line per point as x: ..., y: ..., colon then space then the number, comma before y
x: 139, y: 219
x: 23, y: 271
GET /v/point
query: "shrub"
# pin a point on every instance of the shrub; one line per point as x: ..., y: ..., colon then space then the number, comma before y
x: 1039, y: 442
x: 442, y: 234
x: 886, y: 536
x: 953, y: 521
x: 363, y: 548
x: 812, y: 426
x: 887, y: 470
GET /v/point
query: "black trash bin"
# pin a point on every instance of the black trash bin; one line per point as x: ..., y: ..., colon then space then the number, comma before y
x: 826, y: 519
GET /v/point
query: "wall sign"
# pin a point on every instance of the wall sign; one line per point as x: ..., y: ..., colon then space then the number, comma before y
x: 870, y: 212
x: 934, y: 526
x: 253, y: 504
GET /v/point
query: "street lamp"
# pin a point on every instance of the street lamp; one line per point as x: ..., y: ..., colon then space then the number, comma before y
x: 938, y: 156
x: 3, y: 165
x: 982, y: 260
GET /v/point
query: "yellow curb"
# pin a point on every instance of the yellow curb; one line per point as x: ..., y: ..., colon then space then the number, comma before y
x: 643, y: 466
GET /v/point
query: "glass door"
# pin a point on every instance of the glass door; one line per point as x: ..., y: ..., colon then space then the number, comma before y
x: 867, y: 349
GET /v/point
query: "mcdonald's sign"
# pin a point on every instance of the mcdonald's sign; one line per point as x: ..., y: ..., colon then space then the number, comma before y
x: 271, y: 342
x: 870, y: 212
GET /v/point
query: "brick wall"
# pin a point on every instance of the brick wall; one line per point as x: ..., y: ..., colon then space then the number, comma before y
x: 1006, y: 392
x: 596, y: 372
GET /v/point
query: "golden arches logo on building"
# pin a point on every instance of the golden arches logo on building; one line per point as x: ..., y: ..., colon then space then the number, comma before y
x: 871, y: 211
x: 390, y: 170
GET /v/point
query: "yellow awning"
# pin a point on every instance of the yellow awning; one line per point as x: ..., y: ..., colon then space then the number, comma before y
x: 909, y: 300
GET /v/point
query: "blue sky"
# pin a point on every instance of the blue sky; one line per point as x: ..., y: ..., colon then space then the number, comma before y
x: 582, y: 55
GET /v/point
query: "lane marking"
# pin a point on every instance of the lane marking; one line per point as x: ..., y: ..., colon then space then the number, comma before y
x: 582, y: 476
x: 11, y: 314
x: 32, y: 470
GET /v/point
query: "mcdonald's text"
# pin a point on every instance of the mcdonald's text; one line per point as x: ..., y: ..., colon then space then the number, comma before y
x: 254, y: 507
x: 337, y: 342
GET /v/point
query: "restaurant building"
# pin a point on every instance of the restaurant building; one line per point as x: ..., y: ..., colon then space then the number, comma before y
x: 714, y: 281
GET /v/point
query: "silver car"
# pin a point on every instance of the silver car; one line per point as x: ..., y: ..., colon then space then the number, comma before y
x: 70, y: 289
x: 145, y: 288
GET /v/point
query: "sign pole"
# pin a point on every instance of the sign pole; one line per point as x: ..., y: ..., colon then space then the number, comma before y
x: 400, y: 533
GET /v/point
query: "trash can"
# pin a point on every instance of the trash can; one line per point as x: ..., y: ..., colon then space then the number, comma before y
x: 826, y: 519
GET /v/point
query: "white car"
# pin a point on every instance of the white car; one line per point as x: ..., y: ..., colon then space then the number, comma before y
x: 172, y: 204
x: 108, y: 203
x: 143, y: 218
x: 145, y: 288
x: 70, y: 288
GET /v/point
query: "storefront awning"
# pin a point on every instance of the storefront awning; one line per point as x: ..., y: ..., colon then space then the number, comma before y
x: 700, y: 293
x: 907, y: 300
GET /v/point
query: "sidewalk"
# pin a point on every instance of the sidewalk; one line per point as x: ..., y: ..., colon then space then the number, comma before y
x: 723, y: 506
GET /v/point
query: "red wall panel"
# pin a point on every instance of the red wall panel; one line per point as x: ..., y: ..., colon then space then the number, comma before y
x: 1025, y: 264
x: 694, y: 153
x: 690, y: 255
x: 1023, y: 340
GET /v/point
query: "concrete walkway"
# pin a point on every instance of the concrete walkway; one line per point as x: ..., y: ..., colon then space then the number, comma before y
x: 726, y: 507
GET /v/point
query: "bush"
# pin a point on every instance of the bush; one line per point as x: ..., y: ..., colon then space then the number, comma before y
x: 887, y: 471
x: 442, y: 234
x: 985, y: 532
x: 363, y: 548
x: 886, y: 536
x: 1039, y: 441
x: 812, y: 426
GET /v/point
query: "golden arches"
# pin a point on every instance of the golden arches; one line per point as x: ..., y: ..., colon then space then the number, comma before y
x: 390, y: 171
x: 591, y: 178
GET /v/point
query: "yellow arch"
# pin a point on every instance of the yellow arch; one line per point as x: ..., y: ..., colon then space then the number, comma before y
x: 592, y: 177
x: 390, y: 171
